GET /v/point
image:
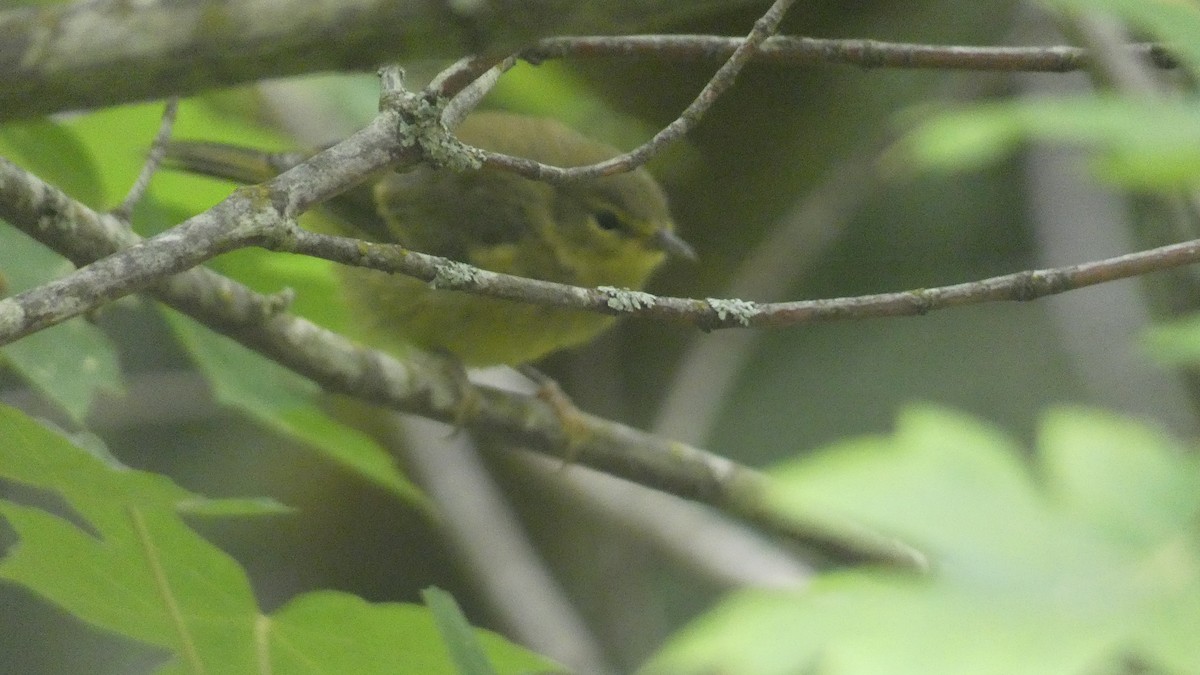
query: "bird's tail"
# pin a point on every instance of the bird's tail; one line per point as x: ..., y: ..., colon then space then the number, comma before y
x: 231, y: 162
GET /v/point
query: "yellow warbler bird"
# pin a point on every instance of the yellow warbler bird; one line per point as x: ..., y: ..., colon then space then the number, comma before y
x: 611, y: 231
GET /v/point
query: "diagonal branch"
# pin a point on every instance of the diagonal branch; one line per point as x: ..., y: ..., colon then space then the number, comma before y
x: 262, y: 215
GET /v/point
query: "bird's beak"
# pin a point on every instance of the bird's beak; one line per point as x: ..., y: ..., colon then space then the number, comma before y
x: 673, y: 244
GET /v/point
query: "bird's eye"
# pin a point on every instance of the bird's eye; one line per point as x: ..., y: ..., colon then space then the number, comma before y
x: 607, y: 220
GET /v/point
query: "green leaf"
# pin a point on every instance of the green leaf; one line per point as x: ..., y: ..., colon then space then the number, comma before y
x: 1133, y: 480
x: 124, y: 560
x: 131, y: 565
x: 329, y: 632
x: 1137, y: 143
x: 230, y: 507
x: 1090, y: 564
x: 960, y: 139
x: 55, y: 154
x: 462, y: 642
x: 1175, y: 342
x: 68, y: 363
x: 287, y: 403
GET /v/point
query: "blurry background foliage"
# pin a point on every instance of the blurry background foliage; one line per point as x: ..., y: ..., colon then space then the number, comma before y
x: 1100, y: 518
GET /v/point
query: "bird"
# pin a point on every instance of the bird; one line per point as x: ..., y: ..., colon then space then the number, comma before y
x: 613, y: 231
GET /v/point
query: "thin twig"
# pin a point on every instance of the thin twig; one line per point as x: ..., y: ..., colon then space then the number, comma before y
x: 469, y: 96
x: 795, y: 50
x: 713, y: 313
x: 462, y: 74
x: 158, y: 149
x: 720, y: 83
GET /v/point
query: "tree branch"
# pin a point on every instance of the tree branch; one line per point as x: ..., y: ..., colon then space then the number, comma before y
x: 92, y: 53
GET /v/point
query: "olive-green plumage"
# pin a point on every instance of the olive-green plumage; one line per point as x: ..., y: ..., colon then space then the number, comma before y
x: 612, y: 231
